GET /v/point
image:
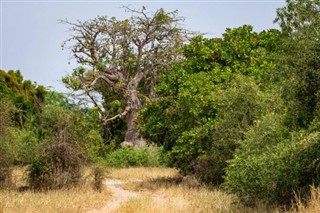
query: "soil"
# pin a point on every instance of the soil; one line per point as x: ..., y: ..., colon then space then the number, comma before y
x: 119, y: 196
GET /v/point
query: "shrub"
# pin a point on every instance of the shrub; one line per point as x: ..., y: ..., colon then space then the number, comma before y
x: 5, y: 171
x: 95, y: 146
x: 58, y: 165
x: 27, y: 142
x: 6, y: 142
x: 271, y: 166
x: 272, y: 176
x: 99, y: 174
x: 131, y: 156
x: 209, y: 169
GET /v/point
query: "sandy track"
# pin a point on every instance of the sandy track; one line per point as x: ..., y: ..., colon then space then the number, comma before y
x: 119, y: 196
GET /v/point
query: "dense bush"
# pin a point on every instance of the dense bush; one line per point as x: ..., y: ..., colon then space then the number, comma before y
x: 131, y: 156
x: 58, y: 165
x: 271, y: 165
x: 7, y: 142
x: 5, y: 170
x: 211, y: 98
x: 209, y: 169
x: 27, y: 145
x: 94, y: 145
x: 271, y: 176
x: 73, y: 126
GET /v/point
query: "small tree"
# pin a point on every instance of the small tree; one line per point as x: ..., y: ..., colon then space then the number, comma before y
x: 124, y: 56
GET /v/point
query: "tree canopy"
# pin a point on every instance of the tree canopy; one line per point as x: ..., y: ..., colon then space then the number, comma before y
x: 121, y: 55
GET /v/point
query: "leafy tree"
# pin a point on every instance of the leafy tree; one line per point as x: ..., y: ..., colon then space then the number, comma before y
x: 300, y: 24
x: 279, y: 154
x: 27, y: 97
x: 211, y: 97
x: 124, y: 56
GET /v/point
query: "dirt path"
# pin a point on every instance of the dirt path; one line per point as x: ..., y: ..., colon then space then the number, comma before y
x: 119, y: 196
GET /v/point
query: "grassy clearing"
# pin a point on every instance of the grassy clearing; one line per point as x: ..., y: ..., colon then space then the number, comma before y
x: 160, y: 191
x: 77, y: 199
x: 141, y: 173
x: 179, y: 198
x: 164, y: 192
x: 62, y: 201
x: 167, y: 194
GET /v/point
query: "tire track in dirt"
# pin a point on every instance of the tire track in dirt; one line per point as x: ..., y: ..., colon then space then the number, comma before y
x: 119, y: 196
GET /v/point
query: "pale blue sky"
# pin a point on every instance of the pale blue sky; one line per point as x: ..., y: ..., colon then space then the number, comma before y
x: 31, y: 36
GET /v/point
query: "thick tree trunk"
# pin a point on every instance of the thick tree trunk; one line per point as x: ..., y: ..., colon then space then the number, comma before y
x: 132, y: 136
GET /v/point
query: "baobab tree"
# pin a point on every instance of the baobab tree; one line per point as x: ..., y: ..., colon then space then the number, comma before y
x: 121, y: 55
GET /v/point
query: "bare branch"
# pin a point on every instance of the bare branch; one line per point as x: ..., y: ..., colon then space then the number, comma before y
x: 120, y: 54
x: 121, y: 115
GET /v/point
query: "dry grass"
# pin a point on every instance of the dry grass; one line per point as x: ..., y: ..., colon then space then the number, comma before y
x: 141, y: 173
x: 62, y: 201
x: 168, y: 195
x: 180, y: 199
x: 160, y: 191
x: 76, y: 199
x: 312, y: 205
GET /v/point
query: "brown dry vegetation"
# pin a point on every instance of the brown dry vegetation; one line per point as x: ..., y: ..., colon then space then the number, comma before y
x: 313, y: 204
x: 76, y: 199
x: 142, y: 173
x: 159, y: 190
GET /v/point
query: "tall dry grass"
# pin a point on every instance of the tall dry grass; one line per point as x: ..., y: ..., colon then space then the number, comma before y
x: 141, y: 173
x: 59, y: 201
x: 169, y: 195
x: 160, y: 191
x: 76, y: 199
x: 179, y: 199
x: 312, y: 205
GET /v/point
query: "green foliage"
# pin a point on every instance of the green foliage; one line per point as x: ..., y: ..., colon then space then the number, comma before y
x: 95, y: 146
x: 38, y: 174
x: 131, y: 156
x: 206, y: 119
x: 32, y: 116
x: 27, y: 145
x: 6, y: 142
x: 210, y: 99
x: 299, y: 18
x: 262, y: 161
x: 27, y: 97
x: 273, y: 165
x: 72, y: 125
x: 56, y: 99
x: 300, y: 65
x: 280, y: 153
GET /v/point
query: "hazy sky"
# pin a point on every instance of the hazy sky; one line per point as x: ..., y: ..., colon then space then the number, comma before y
x: 31, y: 36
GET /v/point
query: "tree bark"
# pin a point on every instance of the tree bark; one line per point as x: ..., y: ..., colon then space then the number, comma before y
x: 132, y: 135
